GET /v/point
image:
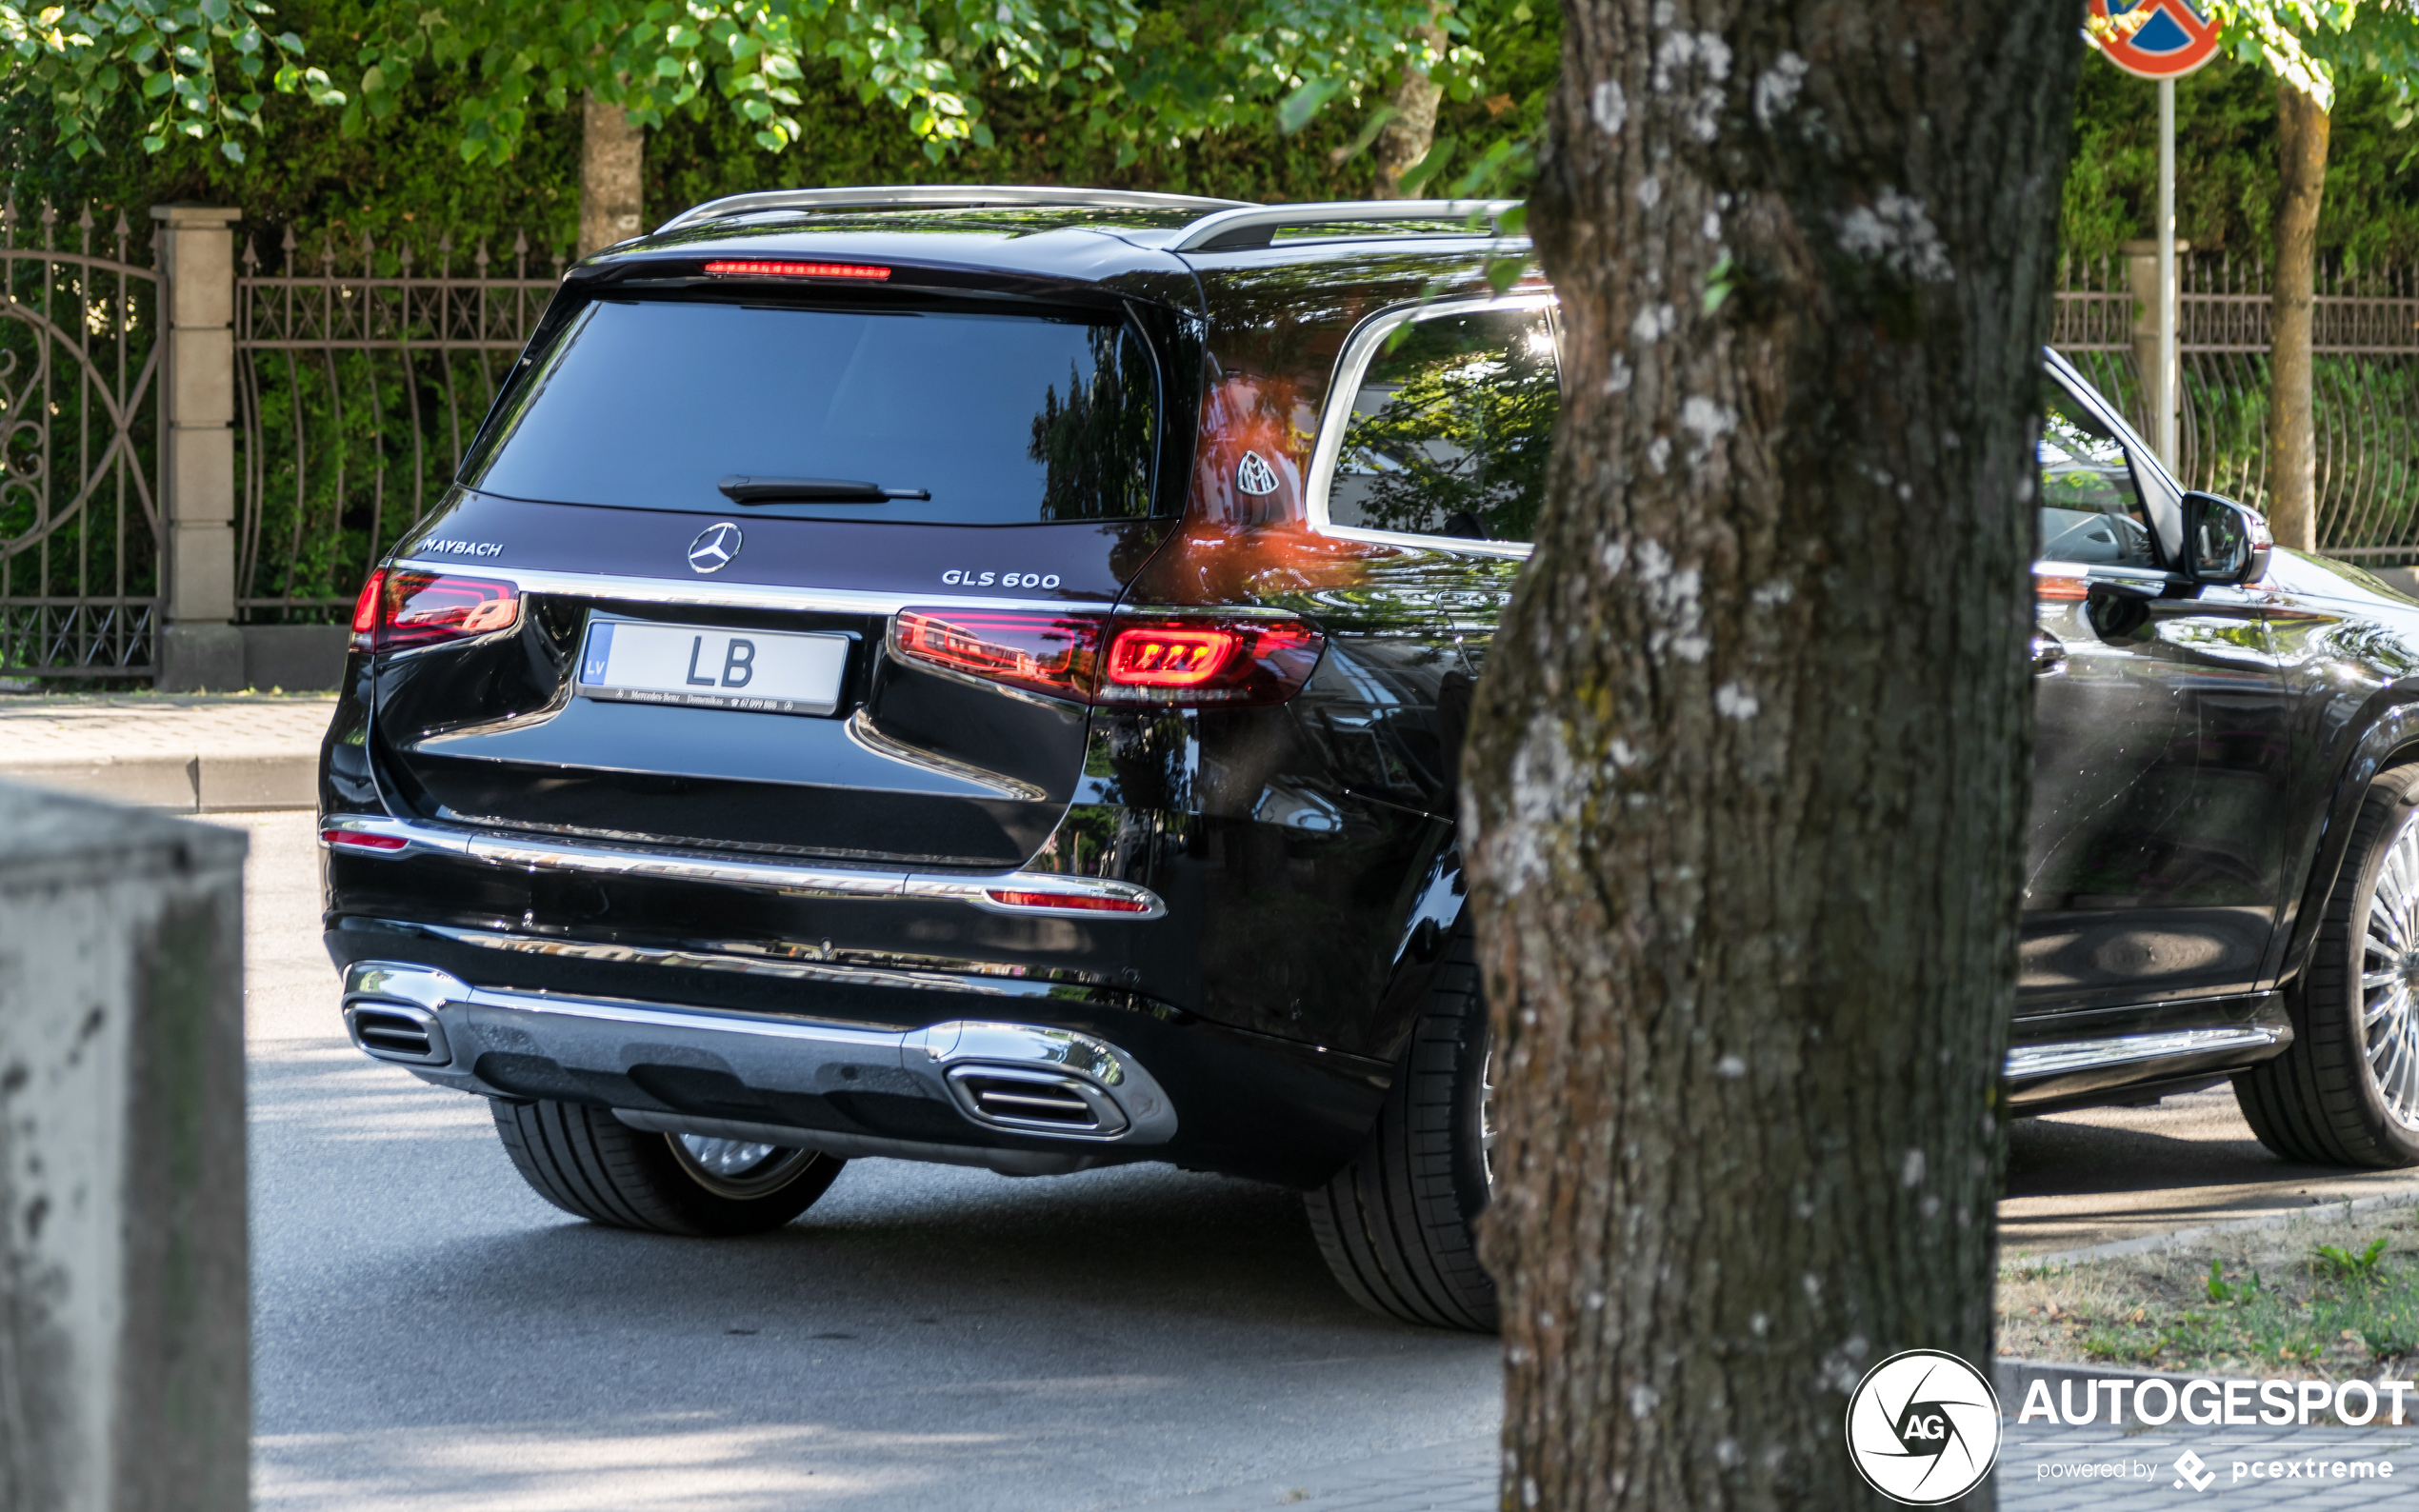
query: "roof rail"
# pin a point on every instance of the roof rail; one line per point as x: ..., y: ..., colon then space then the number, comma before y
x: 938, y: 196
x: 1257, y: 224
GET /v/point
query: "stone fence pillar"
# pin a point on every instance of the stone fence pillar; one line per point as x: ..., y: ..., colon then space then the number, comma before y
x: 199, y: 645
x: 125, y: 1319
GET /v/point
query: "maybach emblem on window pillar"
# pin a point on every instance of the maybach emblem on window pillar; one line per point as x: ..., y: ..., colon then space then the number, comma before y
x: 1253, y: 475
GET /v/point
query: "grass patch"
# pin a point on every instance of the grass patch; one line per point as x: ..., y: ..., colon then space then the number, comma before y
x: 2307, y: 1299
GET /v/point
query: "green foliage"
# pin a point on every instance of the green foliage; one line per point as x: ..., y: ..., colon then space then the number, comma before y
x: 194, y: 72
x: 2341, y: 1263
x: 2222, y: 1290
x: 2225, y: 172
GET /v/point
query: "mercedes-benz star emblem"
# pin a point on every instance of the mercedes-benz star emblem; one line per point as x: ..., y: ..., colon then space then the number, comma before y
x: 1253, y: 475
x: 714, y: 546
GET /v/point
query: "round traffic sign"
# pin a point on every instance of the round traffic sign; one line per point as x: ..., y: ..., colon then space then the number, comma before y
x: 2152, y: 39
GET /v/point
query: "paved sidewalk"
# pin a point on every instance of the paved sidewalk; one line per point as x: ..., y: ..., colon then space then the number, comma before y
x: 196, y: 753
x: 2041, y: 1469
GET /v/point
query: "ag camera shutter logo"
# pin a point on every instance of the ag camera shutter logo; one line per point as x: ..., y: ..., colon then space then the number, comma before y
x: 1923, y: 1427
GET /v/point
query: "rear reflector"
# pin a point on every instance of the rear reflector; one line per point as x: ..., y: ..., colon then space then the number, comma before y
x: 2044, y: 586
x: 750, y: 268
x: 1082, y: 901
x: 426, y: 609
x: 1179, y: 661
x: 362, y: 840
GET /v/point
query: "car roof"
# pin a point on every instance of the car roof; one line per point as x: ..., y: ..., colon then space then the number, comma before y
x: 1089, y: 235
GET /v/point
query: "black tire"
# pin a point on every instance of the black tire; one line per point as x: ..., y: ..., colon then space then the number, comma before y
x: 1398, y: 1224
x: 592, y: 1166
x: 2322, y: 1101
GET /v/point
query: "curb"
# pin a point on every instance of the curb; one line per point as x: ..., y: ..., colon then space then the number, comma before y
x: 183, y: 784
x: 2334, y: 1213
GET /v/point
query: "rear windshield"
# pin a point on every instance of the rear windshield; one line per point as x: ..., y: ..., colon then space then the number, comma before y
x: 1001, y: 419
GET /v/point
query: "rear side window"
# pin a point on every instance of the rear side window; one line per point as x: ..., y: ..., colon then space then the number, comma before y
x: 1452, y: 428
x: 1000, y: 419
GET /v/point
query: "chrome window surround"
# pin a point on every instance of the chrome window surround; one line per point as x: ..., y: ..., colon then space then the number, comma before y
x: 771, y: 1050
x: 2090, y: 1055
x: 938, y: 196
x: 422, y: 839
x: 1351, y: 366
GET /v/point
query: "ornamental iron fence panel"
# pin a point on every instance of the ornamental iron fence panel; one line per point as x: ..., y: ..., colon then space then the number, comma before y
x: 81, y: 478
x: 357, y: 390
x: 2365, y: 381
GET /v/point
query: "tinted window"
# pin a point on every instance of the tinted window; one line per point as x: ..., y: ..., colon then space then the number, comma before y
x: 1451, y: 427
x: 2090, y: 505
x: 1002, y: 418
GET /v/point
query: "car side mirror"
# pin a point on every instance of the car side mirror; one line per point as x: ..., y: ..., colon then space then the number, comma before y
x: 2224, y: 542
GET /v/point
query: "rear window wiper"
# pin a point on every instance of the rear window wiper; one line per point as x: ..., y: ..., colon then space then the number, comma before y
x: 744, y: 489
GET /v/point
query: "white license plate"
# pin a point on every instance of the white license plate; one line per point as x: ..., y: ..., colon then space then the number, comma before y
x: 769, y: 671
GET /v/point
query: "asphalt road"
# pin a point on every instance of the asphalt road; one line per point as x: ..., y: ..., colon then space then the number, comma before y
x: 429, y: 1334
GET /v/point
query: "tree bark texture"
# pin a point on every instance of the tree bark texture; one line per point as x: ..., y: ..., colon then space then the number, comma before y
x: 1747, y: 785
x: 1403, y: 141
x: 2292, y: 438
x: 612, y: 163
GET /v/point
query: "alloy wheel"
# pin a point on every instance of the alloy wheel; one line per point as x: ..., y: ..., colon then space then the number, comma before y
x: 2390, y: 965
x: 736, y: 1168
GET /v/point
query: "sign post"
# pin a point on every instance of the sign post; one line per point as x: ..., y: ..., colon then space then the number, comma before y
x: 2162, y: 40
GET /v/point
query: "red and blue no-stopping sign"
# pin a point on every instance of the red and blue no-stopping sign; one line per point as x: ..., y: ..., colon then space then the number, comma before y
x: 2152, y: 39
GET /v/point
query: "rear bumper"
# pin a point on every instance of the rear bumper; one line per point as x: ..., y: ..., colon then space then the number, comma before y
x: 1017, y: 1075
x: 675, y: 1066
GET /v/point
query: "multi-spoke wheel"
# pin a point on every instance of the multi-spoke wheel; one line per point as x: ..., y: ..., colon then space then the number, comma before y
x: 2348, y: 1091
x: 1397, y: 1224
x: 589, y: 1162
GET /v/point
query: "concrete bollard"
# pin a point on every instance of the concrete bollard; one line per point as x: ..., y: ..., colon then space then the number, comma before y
x: 125, y: 1318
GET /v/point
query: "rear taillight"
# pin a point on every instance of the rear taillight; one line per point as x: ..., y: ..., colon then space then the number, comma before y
x: 1046, y: 653
x: 1179, y: 661
x: 400, y: 609
x: 1191, y: 661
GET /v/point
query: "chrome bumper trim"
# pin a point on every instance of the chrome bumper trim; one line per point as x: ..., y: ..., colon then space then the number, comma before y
x: 610, y: 1036
x: 796, y: 879
x: 2090, y: 1055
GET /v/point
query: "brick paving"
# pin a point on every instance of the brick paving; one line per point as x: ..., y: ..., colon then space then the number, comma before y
x: 2037, y: 1473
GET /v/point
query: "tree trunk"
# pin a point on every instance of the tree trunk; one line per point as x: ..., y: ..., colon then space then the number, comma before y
x: 612, y: 162
x: 2293, y: 439
x: 1747, y: 787
x: 1406, y: 139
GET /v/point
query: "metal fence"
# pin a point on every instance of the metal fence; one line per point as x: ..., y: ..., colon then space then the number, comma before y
x: 80, y: 479
x: 358, y: 385
x: 2365, y: 377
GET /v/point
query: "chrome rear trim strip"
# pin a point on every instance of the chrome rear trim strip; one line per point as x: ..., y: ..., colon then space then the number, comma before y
x: 721, y: 594
x: 2090, y: 1055
x: 784, y: 877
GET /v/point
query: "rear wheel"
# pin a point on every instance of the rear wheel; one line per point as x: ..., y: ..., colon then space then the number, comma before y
x: 590, y: 1164
x: 1398, y: 1224
x: 2347, y: 1093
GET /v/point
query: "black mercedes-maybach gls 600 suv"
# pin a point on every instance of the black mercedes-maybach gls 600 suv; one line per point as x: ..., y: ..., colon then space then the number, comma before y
x: 977, y: 675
